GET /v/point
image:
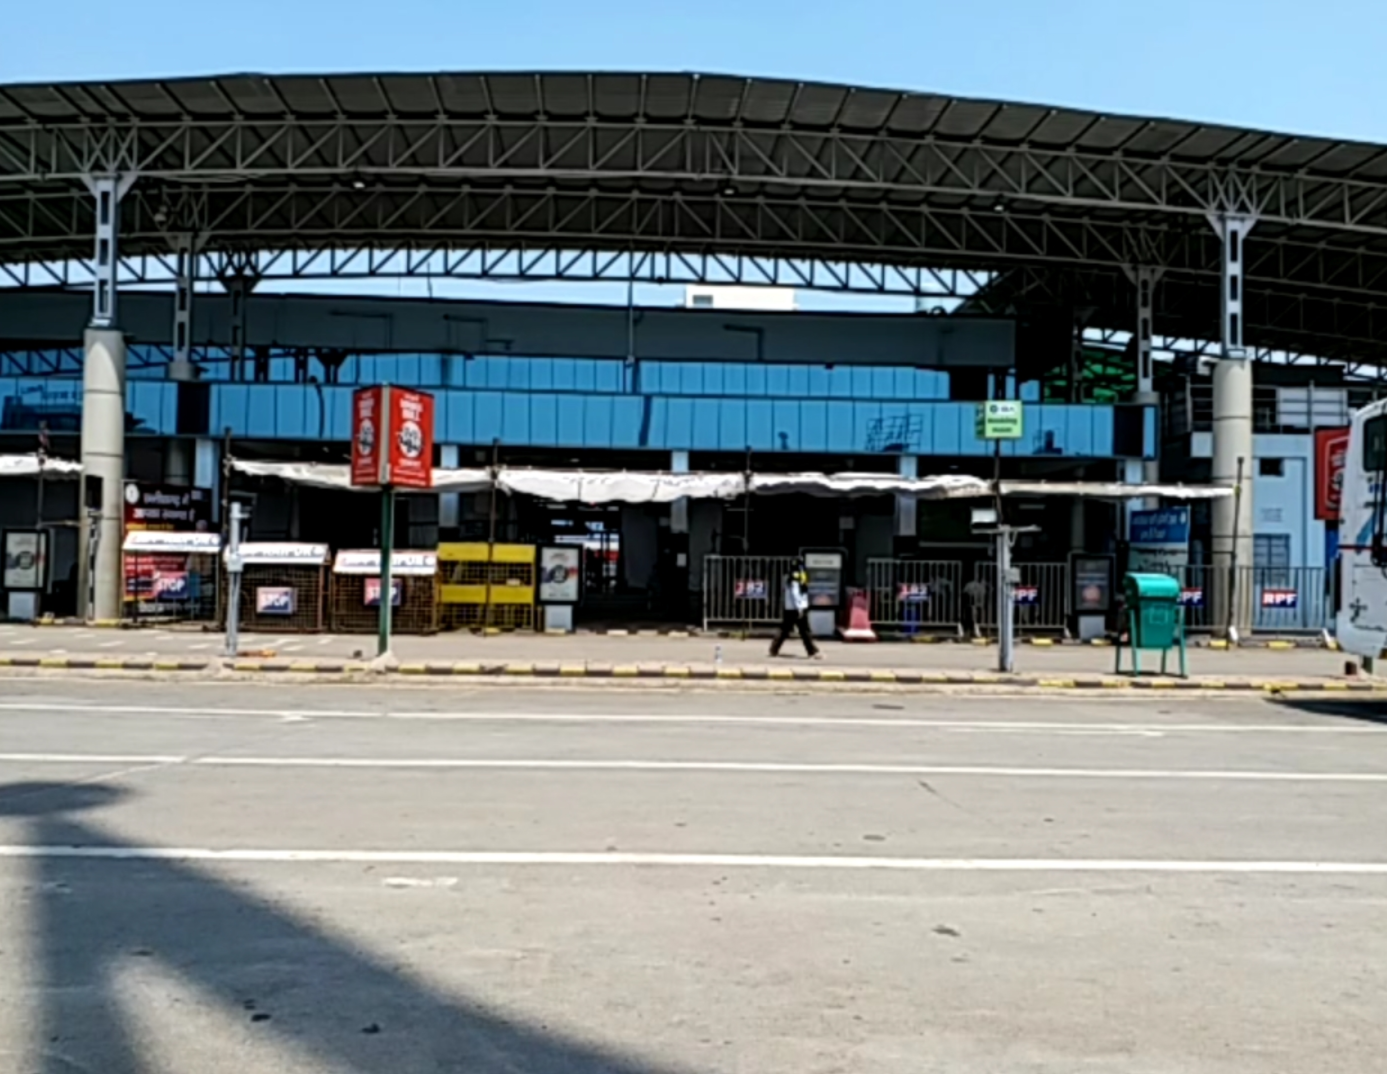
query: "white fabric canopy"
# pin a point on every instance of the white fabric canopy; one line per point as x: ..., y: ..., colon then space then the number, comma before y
x: 1114, y: 490
x: 663, y: 486
x: 28, y: 466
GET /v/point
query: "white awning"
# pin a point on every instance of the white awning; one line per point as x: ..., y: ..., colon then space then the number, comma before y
x: 664, y: 486
x: 1114, y: 490
x: 620, y: 486
x: 283, y: 554
x: 330, y: 476
x: 851, y: 484
x: 156, y: 542
x: 28, y: 466
x: 367, y: 561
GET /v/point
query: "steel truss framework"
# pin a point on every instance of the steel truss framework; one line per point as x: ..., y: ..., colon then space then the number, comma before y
x: 692, y: 179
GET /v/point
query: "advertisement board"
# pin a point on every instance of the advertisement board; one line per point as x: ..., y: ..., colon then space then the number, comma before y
x: 275, y: 600
x: 366, y: 436
x: 367, y: 561
x: 1331, y: 448
x: 26, y: 559
x: 371, y: 592
x: 559, y: 572
x: 1159, y: 541
x: 157, y: 578
x: 1092, y: 584
x: 392, y: 438
x: 411, y: 438
x: 167, y: 508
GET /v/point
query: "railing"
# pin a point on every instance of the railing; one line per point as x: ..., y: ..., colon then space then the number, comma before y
x: 1275, y: 600
x: 905, y: 596
x: 1041, y: 596
x: 744, y: 590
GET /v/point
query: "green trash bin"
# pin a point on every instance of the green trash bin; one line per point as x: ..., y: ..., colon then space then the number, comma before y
x: 1154, y: 619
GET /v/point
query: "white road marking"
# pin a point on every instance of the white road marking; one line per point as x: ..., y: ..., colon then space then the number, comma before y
x: 924, y: 723
x: 110, y: 644
x: 22, y: 641
x: 201, y: 645
x: 718, y: 861
x: 326, y: 641
x: 90, y: 758
x: 57, y: 652
x: 522, y: 764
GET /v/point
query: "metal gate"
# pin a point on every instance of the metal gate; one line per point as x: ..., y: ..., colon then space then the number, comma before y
x: 906, y: 596
x: 744, y: 590
x: 1041, y: 596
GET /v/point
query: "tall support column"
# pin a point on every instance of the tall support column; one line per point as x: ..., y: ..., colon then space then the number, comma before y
x: 179, y: 462
x: 449, y: 503
x: 239, y: 278
x: 1232, y: 464
x: 679, y: 509
x: 906, y: 529
x: 103, y: 410
x: 1144, y: 471
x: 103, y: 458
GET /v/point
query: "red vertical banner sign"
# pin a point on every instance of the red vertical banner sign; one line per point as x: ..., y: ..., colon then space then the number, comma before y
x: 368, y: 432
x: 1331, y: 448
x: 411, y: 438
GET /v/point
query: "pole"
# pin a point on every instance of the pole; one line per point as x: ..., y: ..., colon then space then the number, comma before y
x: 387, y: 551
x: 746, y: 513
x: 1006, y: 659
x: 491, y: 527
x: 1233, y: 552
x: 233, y: 584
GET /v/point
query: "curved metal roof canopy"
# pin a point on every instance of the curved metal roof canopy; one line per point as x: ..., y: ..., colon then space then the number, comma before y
x: 690, y: 165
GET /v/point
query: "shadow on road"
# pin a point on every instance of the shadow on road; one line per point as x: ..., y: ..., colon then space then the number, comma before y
x: 283, y: 975
x: 1368, y: 709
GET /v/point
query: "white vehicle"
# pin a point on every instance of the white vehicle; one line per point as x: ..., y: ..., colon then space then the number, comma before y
x: 1362, y: 618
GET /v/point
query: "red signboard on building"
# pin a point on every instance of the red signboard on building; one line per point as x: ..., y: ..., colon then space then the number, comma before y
x: 411, y: 438
x: 1331, y: 446
x: 392, y: 437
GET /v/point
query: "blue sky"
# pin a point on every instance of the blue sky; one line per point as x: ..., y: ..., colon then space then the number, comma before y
x: 1295, y: 66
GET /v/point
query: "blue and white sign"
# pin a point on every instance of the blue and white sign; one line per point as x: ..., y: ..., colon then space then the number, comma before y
x: 1159, y: 541
x: 275, y: 600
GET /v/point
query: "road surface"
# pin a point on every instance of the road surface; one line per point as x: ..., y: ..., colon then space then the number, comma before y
x: 254, y: 878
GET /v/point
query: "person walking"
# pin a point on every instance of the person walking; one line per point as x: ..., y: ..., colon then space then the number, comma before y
x: 796, y: 615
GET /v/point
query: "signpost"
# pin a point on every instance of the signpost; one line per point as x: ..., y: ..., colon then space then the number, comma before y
x: 998, y: 420
x: 392, y: 447
x: 1159, y: 542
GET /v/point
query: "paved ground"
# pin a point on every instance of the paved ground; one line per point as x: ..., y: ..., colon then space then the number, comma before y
x: 269, y: 877
x: 579, y: 649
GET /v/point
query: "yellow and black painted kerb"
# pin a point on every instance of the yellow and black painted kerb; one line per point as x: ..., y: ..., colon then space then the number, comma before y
x: 516, y: 671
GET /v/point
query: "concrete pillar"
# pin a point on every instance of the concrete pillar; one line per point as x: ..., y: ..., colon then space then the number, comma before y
x: 907, y: 466
x: 207, y: 471
x: 1233, y: 462
x: 679, y: 509
x: 449, y: 503
x: 103, y: 456
x: 1143, y: 471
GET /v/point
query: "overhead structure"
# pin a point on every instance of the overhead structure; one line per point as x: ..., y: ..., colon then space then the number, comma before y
x: 1251, y: 240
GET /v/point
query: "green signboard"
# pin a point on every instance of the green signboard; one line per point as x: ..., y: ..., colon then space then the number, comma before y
x: 999, y: 419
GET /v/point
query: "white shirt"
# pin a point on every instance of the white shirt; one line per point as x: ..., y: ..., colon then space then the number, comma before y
x: 796, y: 598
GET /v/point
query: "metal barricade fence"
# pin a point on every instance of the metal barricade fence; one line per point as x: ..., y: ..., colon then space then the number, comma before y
x: 1275, y: 600
x: 744, y: 590
x: 1041, y: 596
x: 908, y: 595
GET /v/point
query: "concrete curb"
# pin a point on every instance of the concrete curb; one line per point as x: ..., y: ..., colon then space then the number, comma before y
x: 521, y: 671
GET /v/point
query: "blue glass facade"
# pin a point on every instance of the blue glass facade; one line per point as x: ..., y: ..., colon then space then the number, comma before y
x: 594, y: 403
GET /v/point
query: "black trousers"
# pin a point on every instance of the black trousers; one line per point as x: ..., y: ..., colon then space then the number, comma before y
x: 788, y: 623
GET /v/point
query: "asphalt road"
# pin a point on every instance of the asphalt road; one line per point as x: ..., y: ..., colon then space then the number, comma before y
x: 257, y: 878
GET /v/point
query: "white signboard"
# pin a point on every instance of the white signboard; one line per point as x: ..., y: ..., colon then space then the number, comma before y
x: 367, y: 562
x: 559, y: 570
x: 153, y: 542
x: 284, y: 554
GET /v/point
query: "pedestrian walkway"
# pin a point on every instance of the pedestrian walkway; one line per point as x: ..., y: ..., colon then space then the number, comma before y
x: 633, y: 656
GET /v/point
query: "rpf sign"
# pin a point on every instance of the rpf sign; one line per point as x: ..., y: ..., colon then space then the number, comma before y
x: 392, y: 438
